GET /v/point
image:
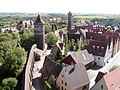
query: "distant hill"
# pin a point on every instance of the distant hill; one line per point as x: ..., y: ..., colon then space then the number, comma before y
x: 14, y: 13
x: 19, y: 13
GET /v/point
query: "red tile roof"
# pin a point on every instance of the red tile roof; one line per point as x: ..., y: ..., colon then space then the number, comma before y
x: 113, y: 80
x: 97, y: 48
x: 73, y: 31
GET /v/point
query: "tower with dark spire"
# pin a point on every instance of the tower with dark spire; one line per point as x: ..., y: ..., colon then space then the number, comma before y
x: 39, y: 35
x: 69, y: 20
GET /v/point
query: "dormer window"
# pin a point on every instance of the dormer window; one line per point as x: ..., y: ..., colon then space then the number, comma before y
x: 93, y: 46
x: 98, y: 47
x: 102, y: 48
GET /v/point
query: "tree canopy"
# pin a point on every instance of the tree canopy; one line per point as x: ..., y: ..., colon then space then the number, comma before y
x: 12, y: 59
x: 51, y: 39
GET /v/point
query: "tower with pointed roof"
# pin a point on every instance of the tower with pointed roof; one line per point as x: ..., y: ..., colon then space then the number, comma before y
x: 69, y: 20
x: 39, y: 26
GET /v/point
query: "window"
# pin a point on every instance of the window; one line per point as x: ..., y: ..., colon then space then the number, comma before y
x: 102, y: 48
x: 84, y: 87
x: 101, y: 86
x: 93, y: 46
x: 98, y: 47
x: 62, y: 81
x: 62, y: 88
x: 65, y: 84
x: 55, y: 82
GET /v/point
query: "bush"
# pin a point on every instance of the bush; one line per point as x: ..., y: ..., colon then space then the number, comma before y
x: 51, y: 39
x: 9, y: 83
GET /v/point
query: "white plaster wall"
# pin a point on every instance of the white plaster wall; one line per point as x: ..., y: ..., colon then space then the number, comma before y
x: 100, y: 61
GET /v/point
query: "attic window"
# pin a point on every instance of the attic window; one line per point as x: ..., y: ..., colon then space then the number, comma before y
x: 102, y: 48
x: 98, y: 47
x: 93, y: 46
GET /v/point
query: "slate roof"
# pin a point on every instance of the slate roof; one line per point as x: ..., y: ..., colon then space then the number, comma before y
x: 76, y: 76
x: 113, y: 35
x: 50, y: 68
x: 104, y: 38
x: 39, y: 20
x: 80, y: 57
x: 91, y: 35
x: 73, y: 31
x: 97, y: 48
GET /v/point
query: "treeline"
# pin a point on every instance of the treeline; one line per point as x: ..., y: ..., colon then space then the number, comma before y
x: 108, y: 22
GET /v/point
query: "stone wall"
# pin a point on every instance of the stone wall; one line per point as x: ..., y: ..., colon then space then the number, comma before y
x: 27, y: 79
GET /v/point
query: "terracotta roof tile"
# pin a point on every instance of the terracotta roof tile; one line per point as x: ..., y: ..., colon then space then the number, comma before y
x: 112, y: 79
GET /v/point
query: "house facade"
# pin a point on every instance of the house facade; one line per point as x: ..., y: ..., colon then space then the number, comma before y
x: 101, y: 51
x: 110, y: 81
x: 73, y: 77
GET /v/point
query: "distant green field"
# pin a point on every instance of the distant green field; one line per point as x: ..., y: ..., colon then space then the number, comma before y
x: 91, y: 17
x: 33, y: 15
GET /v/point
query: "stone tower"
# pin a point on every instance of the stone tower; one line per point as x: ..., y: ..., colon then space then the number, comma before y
x: 69, y: 20
x: 39, y: 26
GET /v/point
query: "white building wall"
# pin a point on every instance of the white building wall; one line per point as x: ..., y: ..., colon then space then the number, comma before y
x: 99, y: 60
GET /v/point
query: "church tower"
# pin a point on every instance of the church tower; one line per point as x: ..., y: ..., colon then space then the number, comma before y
x: 69, y: 20
x: 39, y: 26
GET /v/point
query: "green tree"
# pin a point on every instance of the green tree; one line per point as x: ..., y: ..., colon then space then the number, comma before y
x: 12, y: 58
x: 27, y: 39
x: 9, y: 83
x: 71, y: 44
x: 51, y: 39
x: 77, y: 45
x: 16, y: 37
x: 58, y: 55
x: 5, y: 37
x: 66, y: 44
x: 47, y: 27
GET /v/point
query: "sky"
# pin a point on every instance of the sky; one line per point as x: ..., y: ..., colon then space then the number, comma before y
x: 61, y: 6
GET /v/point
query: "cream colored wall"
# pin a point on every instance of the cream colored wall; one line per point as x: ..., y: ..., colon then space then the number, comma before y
x: 59, y: 81
x: 98, y: 85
